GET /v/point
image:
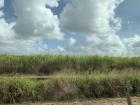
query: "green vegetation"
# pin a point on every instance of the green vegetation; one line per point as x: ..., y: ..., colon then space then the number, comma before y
x: 70, y: 87
x: 48, y: 64
x: 69, y: 78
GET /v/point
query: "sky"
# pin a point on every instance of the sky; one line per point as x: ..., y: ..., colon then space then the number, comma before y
x: 70, y: 27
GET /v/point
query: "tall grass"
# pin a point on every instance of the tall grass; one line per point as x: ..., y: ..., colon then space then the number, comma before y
x: 70, y: 87
x: 71, y: 77
x: 50, y: 64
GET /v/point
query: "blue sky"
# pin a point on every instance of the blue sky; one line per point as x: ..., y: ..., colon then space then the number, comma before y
x: 128, y: 11
x: 77, y: 27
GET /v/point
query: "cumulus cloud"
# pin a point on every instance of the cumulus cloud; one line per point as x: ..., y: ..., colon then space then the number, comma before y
x: 110, y: 45
x: 98, y: 46
x: 72, y: 41
x: 60, y: 49
x: 133, y: 45
x: 1, y: 6
x: 90, y: 16
x: 10, y: 45
x: 1, y: 3
x: 24, y: 47
x: 96, y: 20
x: 6, y: 32
x: 34, y: 19
x: 1, y: 14
x: 52, y: 3
x: 20, y: 47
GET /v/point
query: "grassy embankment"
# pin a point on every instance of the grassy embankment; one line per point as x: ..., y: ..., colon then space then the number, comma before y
x: 70, y: 78
x: 70, y: 87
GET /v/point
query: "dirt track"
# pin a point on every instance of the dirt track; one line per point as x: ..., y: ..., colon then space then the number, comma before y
x: 115, y: 101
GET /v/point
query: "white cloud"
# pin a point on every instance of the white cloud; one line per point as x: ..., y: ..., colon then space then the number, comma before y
x: 52, y: 3
x: 72, y: 41
x: 34, y: 19
x: 10, y: 45
x: 20, y: 47
x: 106, y: 45
x: 6, y: 32
x: 98, y: 45
x: 1, y: 6
x: 6, y: 35
x: 1, y: 3
x: 1, y: 14
x: 90, y: 16
x: 96, y: 20
x: 133, y: 45
x: 60, y: 49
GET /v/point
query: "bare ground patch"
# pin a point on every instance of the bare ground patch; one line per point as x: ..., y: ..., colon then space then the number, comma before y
x: 108, y: 101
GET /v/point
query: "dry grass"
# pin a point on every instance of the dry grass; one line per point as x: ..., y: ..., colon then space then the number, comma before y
x: 67, y: 87
x: 109, y: 101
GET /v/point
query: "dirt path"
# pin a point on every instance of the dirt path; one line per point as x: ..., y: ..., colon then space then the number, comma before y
x: 115, y: 101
